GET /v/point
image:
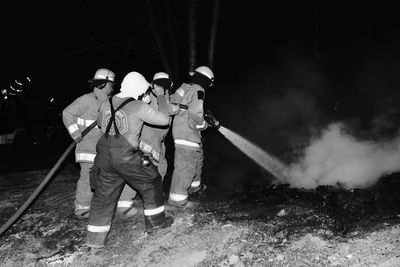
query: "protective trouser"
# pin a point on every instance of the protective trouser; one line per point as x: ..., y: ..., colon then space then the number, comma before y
x: 83, y: 194
x: 125, y: 201
x: 108, y: 186
x: 188, y: 164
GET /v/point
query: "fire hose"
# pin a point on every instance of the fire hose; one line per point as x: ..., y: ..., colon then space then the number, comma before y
x: 42, y: 185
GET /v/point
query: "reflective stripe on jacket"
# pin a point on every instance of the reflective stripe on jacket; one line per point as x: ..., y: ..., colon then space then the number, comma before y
x: 80, y: 114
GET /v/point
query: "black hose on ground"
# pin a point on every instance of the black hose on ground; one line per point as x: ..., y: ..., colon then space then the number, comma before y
x: 45, y: 181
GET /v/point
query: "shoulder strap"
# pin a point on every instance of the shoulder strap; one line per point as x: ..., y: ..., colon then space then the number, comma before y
x: 124, y: 103
x: 113, y: 111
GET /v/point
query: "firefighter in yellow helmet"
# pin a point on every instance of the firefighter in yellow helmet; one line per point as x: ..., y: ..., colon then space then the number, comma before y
x: 76, y: 117
x: 120, y: 161
x: 152, y: 138
x: 186, y: 130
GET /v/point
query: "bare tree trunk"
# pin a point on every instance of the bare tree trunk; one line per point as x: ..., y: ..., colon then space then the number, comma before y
x: 213, y: 34
x: 192, y: 35
x: 317, y: 31
x: 158, y: 37
x: 368, y: 38
x: 173, y: 48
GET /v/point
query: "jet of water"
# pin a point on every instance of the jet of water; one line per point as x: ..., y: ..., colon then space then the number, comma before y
x: 262, y: 158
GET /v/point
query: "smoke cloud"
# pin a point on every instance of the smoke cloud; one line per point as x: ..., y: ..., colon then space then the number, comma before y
x: 337, y: 158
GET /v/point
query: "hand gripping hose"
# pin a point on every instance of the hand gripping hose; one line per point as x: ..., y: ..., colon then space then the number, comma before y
x: 45, y: 181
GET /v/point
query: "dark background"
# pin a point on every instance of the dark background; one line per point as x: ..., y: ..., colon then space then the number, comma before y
x: 283, y: 69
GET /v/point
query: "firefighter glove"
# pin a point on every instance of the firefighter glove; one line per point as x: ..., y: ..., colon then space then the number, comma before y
x: 173, y: 109
x: 211, y: 120
x: 158, y: 90
x: 78, y: 139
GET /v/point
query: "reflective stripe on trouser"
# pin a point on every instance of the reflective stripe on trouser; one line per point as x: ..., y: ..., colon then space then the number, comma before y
x: 115, y: 169
x: 97, y: 235
x: 126, y: 198
x: 187, y: 167
x: 153, y: 217
x: 83, y: 194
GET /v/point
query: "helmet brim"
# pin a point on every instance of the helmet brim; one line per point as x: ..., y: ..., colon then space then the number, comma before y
x: 103, y: 80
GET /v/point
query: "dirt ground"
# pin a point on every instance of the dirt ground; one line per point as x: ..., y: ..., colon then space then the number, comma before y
x: 270, y: 226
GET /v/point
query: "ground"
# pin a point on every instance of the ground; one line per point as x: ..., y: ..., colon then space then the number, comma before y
x: 264, y: 226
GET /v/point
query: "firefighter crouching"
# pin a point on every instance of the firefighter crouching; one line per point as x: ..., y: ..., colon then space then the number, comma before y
x: 76, y: 117
x: 186, y: 131
x: 152, y: 138
x: 120, y: 161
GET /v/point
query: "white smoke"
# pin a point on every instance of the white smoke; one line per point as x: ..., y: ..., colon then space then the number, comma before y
x: 337, y: 158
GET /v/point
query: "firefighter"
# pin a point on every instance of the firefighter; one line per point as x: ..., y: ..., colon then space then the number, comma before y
x: 186, y: 130
x: 120, y: 161
x: 152, y: 138
x: 76, y: 117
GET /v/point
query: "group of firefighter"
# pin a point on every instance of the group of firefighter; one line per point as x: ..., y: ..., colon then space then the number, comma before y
x: 124, y: 154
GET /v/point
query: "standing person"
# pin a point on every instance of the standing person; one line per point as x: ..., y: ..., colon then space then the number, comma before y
x: 120, y: 161
x: 152, y: 138
x: 76, y: 117
x: 186, y: 131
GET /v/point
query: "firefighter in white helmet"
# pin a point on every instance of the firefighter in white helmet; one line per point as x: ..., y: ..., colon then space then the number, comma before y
x: 120, y: 161
x: 152, y: 138
x: 186, y: 130
x: 76, y: 117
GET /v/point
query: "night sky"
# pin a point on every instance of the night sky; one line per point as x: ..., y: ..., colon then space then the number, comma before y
x: 337, y: 59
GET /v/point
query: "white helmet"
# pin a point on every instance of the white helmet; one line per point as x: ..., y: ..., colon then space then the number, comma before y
x: 160, y: 75
x: 104, y: 74
x: 133, y: 85
x: 162, y: 79
x: 206, y: 71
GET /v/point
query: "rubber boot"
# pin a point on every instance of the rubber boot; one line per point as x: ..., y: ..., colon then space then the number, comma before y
x: 156, y: 222
x: 96, y: 240
x: 168, y: 221
x: 126, y: 213
x: 82, y: 213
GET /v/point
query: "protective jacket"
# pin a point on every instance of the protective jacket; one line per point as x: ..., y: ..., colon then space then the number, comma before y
x: 189, y: 122
x: 79, y: 115
x: 153, y: 136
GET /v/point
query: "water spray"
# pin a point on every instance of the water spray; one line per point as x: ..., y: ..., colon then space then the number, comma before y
x: 258, y: 155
